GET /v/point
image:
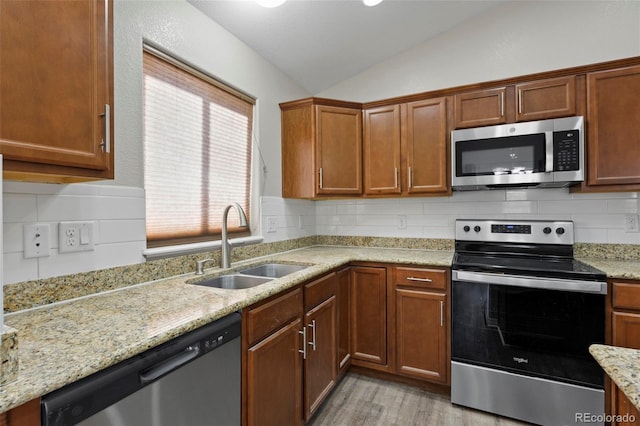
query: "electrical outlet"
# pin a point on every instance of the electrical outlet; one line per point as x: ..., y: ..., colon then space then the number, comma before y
x: 272, y: 223
x: 402, y: 221
x: 75, y: 236
x: 631, y: 223
x: 37, y: 241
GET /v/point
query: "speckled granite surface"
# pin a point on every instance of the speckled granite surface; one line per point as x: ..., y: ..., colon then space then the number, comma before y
x: 63, y: 342
x: 9, y: 362
x: 623, y: 366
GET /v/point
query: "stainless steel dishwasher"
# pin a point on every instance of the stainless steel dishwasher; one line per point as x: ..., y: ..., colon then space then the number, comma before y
x: 192, y: 380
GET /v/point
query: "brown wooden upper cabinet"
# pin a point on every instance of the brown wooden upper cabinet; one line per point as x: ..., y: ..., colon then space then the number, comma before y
x: 321, y: 148
x: 613, y: 133
x: 56, y: 102
x: 535, y: 100
x: 405, y: 148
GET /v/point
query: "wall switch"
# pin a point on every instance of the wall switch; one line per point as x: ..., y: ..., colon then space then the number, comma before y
x: 402, y: 221
x: 76, y: 236
x: 37, y: 240
x: 631, y: 223
x: 272, y: 223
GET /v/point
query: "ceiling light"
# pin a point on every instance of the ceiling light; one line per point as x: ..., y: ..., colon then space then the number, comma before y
x: 371, y: 2
x: 270, y: 3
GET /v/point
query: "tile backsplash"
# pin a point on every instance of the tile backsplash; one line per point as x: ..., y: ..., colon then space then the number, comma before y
x: 119, y: 212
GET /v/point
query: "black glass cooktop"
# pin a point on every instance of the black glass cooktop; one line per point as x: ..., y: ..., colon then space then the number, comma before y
x: 517, y: 264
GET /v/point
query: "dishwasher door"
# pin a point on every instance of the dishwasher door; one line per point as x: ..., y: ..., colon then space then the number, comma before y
x: 203, y: 390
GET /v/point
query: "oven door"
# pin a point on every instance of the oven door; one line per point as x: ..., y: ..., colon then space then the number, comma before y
x: 538, y: 332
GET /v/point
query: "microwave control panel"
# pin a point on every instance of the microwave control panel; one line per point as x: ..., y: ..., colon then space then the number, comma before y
x: 566, y: 150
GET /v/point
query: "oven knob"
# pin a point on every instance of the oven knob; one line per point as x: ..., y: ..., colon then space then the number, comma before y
x: 476, y: 228
x: 560, y: 231
x: 466, y: 228
x: 546, y: 230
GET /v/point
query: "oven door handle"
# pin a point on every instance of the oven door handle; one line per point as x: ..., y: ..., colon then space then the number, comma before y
x: 595, y: 287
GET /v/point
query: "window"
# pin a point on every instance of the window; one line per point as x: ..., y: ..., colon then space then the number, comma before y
x: 197, y: 152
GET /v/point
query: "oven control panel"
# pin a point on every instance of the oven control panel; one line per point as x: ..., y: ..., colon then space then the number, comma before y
x: 517, y: 231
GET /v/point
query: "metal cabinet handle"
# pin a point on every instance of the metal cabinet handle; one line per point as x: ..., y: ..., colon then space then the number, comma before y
x: 313, y: 334
x: 304, y: 342
x: 441, y: 313
x: 502, y: 104
x: 409, y: 183
x: 422, y: 280
x: 395, y: 178
x: 320, y: 177
x: 105, y: 144
x: 519, y: 101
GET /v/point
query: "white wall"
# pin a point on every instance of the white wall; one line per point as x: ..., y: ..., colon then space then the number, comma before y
x: 512, y: 39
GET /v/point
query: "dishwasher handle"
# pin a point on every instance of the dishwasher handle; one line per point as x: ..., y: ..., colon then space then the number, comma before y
x: 158, y: 370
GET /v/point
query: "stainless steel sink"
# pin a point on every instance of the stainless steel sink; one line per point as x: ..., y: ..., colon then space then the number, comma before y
x: 273, y: 270
x: 233, y: 282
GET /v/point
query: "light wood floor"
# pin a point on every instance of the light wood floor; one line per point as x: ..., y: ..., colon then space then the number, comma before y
x: 362, y: 400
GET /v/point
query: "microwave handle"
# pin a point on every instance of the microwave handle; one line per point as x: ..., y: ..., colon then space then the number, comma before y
x: 548, y: 137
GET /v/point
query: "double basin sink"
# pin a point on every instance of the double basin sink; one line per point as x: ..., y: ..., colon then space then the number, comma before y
x: 251, y: 277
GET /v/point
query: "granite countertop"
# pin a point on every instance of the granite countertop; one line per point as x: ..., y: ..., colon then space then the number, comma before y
x: 63, y: 342
x: 623, y: 366
x: 620, y: 269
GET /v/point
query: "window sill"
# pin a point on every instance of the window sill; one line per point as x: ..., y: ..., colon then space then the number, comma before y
x: 183, y: 249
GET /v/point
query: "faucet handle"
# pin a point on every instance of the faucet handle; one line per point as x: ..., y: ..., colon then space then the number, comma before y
x: 200, y: 266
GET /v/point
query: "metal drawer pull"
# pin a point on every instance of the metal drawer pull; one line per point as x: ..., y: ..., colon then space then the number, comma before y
x: 313, y: 335
x: 441, y: 313
x: 105, y: 144
x: 422, y: 280
x: 304, y: 342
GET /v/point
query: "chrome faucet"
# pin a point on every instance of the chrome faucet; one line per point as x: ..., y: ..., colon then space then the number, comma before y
x: 225, y: 257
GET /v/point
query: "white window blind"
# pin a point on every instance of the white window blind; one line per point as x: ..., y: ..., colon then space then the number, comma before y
x: 197, y: 152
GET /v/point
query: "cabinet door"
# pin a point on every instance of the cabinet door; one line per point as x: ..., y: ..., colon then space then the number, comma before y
x: 626, y: 333
x: 426, y: 146
x: 344, y: 318
x: 544, y: 99
x: 480, y: 108
x: 274, y: 378
x: 421, y: 334
x: 320, y: 367
x: 339, y: 150
x: 369, y: 314
x: 55, y: 85
x: 382, y: 150
x: 614, y: 128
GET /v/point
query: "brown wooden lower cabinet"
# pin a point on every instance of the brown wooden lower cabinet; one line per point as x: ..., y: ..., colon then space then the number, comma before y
x: 27, y: 414
x: 343, y: 295
x: 291, y: 351
x: 625, y: 332
x: 369, y: 316
x: 421, y: 323
x: 274, y: 379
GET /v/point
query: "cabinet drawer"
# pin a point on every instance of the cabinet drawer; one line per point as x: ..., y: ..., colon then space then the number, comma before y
x: 421, y: 277
x: 626, y: 295
x: 319, y: 290
x: 270, y: 316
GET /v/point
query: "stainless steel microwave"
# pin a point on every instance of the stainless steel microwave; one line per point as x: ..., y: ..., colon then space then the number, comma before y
x: 543, y: 154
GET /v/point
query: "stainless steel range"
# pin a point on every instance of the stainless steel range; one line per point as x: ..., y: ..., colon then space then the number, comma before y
x: 524, y: 313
